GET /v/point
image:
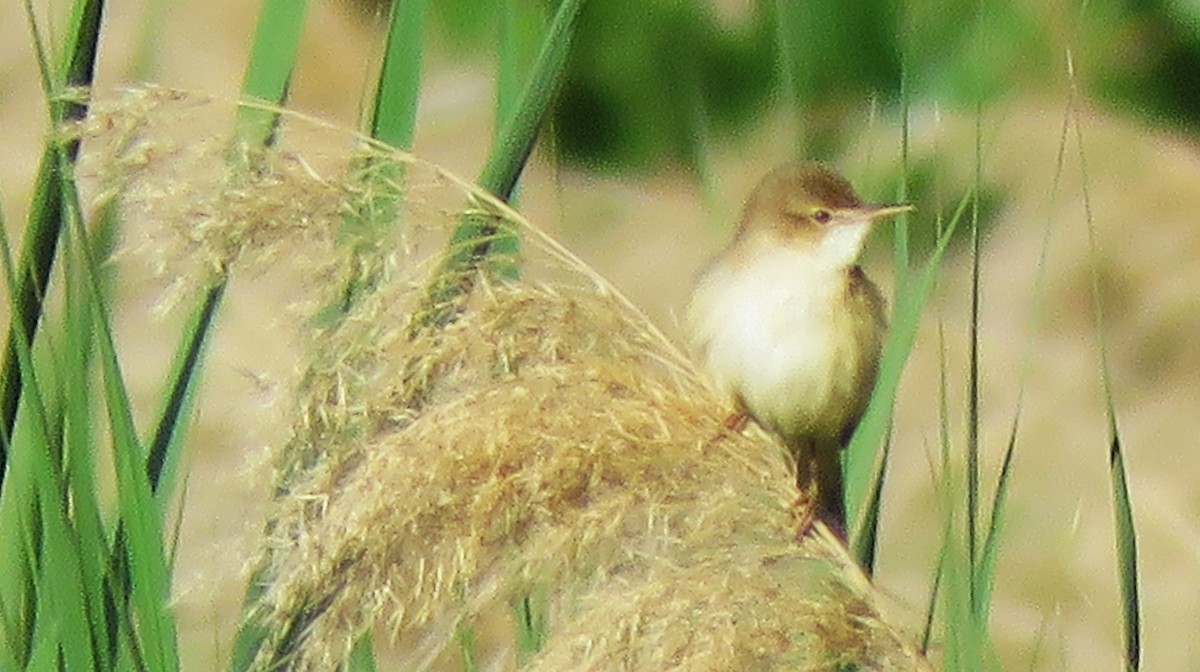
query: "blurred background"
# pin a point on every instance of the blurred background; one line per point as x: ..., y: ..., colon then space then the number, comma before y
x: 671, y: 111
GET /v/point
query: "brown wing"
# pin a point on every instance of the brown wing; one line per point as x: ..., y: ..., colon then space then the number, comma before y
x: 868, y: 306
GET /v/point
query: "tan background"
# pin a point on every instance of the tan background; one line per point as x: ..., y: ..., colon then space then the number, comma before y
x: 1056, y: 581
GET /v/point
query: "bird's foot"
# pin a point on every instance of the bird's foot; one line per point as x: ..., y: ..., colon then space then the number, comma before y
x: 737, y: 421
x: 806, y: 515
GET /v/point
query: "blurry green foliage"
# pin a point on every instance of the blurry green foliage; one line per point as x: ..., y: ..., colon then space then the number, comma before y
x: 650, y: 80
x: 647, y: 78
x: 1143, y: 56
x: 960, y: 53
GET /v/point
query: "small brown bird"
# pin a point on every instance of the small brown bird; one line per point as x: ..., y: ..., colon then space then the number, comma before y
x: 787, y: 322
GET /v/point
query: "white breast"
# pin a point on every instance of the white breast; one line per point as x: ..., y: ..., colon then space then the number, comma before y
x: 774, y: 333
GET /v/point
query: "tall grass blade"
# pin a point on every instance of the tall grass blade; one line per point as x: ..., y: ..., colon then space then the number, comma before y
x: 945, y: 487
x: 1127, y: 557
x: 990, y: 550
x: 268, y: 75
x: 393, y: 118
x: 153, y: 636
x: 45, y: 650
x: 958, y: 652
x: 1124, y: 528
x: 25, y: 499
x: 973, y: 365
x: 507, y: 156
x: 157, y: 467
x: 394, y: 115
x: 477, y: 236
x: 14, y: 568
x: 44, y: 226
x: 861, y: 453
x: 521, y: 25
x: 269, y: 72
x: 62, y: 589
x: 167, y: 440
x: 79, y: 452
x: 70, y: 556
x: 148, y: 571
x: 866, y: 542
x: 931, y: 606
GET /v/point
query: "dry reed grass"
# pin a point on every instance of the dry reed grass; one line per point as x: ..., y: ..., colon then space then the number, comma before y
x: 548, y: 440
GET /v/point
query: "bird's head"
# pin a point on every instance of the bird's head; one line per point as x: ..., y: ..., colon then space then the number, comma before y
x: 810, y: 207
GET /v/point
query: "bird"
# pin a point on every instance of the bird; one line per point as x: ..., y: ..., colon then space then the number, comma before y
x: 786, y: 321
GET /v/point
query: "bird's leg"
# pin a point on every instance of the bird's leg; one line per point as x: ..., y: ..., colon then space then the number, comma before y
x: 819, y: 479
x: 831, y: 498
x: 806, y: 513
x: 737, y: 421
x: 807, y: 502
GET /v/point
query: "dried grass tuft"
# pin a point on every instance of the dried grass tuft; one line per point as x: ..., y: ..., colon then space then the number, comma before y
x: 547, y: 439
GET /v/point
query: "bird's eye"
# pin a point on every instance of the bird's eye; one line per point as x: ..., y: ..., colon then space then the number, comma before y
x: 822, y: 216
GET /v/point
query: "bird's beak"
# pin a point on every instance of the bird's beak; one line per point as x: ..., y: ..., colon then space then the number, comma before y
x: 875, y: 212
